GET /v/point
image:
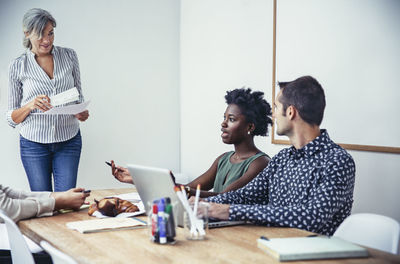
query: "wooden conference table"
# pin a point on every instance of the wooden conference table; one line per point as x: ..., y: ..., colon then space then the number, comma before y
x: 223, y: 245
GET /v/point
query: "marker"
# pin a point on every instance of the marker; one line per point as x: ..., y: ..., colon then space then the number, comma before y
x: 161, y: 222
x: 154, y: 220
x: 171, y: 233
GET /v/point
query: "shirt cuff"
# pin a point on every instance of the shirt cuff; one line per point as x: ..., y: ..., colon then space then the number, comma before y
x: 10, y: 120
x: 45, y: 204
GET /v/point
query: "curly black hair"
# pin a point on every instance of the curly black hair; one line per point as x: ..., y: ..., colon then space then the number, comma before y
x: 253, y: 106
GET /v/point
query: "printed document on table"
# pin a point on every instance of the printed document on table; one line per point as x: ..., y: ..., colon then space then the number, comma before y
x: 68, y: 110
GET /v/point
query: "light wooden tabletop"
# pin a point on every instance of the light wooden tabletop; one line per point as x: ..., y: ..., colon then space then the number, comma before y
x: 223, y: 245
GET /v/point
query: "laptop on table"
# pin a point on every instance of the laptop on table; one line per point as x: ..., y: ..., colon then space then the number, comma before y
x: 155, y: 183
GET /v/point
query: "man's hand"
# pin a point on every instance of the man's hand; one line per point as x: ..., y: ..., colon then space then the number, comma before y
x: 71, y: 199
x: 220, y: 211
x: 120, y: 173
x: 82, y: 116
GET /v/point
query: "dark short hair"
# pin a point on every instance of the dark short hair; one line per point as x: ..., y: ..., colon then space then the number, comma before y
x: 253, y: 106
x: 307, y: 96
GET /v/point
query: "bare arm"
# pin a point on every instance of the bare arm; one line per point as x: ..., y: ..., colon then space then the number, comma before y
x: 41, y: 102
x: 206, y: 180
x: 254, y: 169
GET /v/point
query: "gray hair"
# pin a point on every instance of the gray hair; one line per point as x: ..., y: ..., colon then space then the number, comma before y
x: 34, y: 21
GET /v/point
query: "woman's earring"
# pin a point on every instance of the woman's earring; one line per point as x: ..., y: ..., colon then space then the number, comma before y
x: 248, y: 132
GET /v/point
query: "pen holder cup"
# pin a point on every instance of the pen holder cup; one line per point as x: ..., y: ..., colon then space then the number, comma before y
x: 196, y: 225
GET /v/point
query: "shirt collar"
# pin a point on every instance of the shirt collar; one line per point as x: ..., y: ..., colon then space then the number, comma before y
x: 32, y: 55
x: 312, y: 147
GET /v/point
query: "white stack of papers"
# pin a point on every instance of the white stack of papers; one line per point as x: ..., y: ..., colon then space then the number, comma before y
x: 66, y: 97
x: 68, y: 110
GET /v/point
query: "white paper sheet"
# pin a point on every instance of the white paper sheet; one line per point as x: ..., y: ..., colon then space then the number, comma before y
x: 65, y: 97
x: 68, y: 110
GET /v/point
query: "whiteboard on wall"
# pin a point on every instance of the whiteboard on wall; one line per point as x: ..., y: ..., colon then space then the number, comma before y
x: 352, y: 47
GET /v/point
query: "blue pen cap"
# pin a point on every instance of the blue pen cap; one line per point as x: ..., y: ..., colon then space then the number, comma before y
x: 161, y: 205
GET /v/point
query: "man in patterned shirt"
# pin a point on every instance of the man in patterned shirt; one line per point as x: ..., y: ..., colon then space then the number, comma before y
x: 307, y: 186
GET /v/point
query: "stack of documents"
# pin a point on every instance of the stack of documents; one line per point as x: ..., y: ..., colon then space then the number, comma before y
x: 300, y: 248
x: 106, y: 224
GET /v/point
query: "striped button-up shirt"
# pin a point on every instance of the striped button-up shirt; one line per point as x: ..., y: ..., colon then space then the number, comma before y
x: 27, y: 80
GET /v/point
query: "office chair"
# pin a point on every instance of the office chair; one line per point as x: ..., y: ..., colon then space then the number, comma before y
x: 19, y: 249
x: 57, y: 256
x: 371, y: 230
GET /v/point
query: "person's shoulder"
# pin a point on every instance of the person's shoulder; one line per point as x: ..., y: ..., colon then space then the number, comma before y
x: 68, y: 51
x: 17, y: 63
x: 64, y: 49
x: 21, y: 59
x: 263, y: 156
x: 336, y: 154
x: 283, y: 153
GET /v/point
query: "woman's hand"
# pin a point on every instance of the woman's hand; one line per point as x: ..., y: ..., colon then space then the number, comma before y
x: 41, y: 102
x: 82, y: 116
x: 71, y: 199
x: 120, y: 173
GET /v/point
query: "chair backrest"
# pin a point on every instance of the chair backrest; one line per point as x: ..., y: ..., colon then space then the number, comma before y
x: 20, y: 252
x: 57, y: 256
x: 371, y: 230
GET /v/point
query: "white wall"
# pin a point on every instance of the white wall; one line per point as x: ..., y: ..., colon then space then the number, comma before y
x: 128, y: 53
x: 227, y: 44
x: 224, y: 45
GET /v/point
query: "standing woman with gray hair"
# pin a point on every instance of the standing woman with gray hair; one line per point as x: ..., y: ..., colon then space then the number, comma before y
x: 49, y: 144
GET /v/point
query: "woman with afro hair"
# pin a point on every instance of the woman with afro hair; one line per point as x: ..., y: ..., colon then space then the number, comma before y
x: 247, y: 115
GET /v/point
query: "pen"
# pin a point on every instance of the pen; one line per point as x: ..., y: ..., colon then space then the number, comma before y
x: 109, y: 164
x: 196, y: 200
x: 86, y: 191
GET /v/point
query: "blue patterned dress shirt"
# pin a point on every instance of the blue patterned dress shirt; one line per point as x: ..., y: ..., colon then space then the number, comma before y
x: 310, y: 188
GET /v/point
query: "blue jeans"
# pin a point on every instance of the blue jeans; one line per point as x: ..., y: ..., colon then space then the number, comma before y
x: 42, y: 160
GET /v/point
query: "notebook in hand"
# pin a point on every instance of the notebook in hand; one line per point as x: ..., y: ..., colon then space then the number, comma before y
x: 301, y: 248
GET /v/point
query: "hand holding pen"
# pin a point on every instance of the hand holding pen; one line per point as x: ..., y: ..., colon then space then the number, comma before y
x: 120, y: 173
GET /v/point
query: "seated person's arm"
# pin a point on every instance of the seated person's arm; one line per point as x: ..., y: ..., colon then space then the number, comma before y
x: 120, y: 173
x: 254, y: 169
x: 333, y: 193
x: 21, y: 205
x: 206, y: 180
